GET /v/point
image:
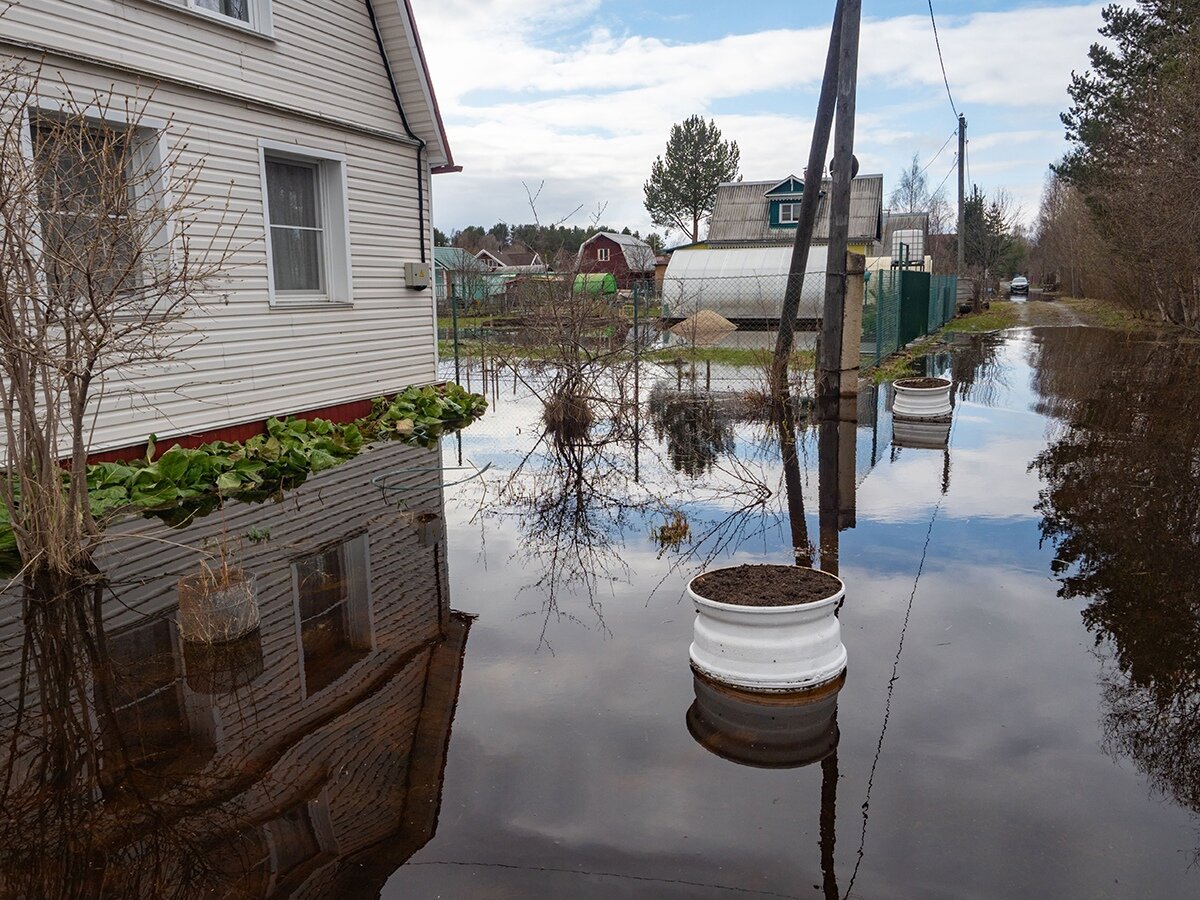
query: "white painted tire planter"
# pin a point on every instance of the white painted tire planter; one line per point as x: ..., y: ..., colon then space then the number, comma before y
x: 913, y: 402
x: 920, y: 435
x: 769, y: 731
x: 768, y: 648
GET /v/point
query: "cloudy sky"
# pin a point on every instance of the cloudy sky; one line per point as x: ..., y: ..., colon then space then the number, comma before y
x: 581, y: 94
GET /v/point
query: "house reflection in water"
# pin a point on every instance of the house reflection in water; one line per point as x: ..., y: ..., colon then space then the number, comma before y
x: 306, y: 757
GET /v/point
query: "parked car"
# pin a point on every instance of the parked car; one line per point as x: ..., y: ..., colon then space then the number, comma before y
x: 1020, y: 285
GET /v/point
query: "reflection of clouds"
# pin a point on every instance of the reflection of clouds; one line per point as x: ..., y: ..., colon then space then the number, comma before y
x: 989, y: 483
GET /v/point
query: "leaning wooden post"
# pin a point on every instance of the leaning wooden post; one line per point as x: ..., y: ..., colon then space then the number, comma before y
x: 808, y: 215
x: 830, y: 349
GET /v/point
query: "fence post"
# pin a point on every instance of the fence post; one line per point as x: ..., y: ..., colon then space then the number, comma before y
x: 454, y: 328
x: 852, y: 315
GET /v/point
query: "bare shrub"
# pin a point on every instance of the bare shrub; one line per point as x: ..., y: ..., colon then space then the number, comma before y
x: 105, y: 244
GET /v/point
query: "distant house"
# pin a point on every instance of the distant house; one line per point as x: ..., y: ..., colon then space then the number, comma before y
x: 765, y: 213
x: 628, y: 259
x: 465, y: 276
x: 318, y: 121
x: 740, y: 269
x: 516, y: 260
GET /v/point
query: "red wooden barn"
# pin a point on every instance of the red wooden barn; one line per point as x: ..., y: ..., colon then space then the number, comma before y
x: 629, y: 259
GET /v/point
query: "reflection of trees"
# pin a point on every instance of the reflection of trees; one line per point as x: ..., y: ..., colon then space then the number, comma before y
x: 578, y: 493
x: 696, y: 429
x: 1121, y: 503
x: 65, y: 749
x: 977, y: 374
x: 574, y: 501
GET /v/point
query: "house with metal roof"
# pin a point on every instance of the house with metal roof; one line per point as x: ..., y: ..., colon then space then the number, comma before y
x: 766, y: 212
x: 628, y: 259
x: 740, y: 270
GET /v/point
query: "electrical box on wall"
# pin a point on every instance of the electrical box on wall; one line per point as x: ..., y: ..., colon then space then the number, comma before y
x: 416, y: 276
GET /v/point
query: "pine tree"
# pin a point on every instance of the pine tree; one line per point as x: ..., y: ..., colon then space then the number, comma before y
x: 683, y: 181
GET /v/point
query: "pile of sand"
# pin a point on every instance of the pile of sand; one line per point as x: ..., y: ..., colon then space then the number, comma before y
x: 705, y: 327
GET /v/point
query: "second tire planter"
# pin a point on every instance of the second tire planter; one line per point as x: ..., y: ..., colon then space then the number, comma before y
x: 774, y: 629
x: 921, y: 398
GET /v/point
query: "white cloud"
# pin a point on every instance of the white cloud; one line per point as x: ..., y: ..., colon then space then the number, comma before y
x: 534, y: 89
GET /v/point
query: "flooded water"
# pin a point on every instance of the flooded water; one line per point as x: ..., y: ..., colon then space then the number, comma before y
x: 476, y: 684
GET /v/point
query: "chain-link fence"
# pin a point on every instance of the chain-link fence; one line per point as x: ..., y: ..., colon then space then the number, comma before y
x: 714, y: 335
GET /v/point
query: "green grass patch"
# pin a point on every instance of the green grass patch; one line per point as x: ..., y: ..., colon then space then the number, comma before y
x: 1001, y: 314
x: 1104, y: 313
x: 900, y: 364
x: 728, y: 356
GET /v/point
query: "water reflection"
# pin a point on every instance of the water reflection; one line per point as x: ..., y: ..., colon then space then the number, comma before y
x: 770, y: 731
x: 306, y: 757
x: 697, y: 427
x: 1121, y: 505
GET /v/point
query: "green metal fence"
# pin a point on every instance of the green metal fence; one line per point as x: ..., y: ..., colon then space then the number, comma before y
x: 901, y: 306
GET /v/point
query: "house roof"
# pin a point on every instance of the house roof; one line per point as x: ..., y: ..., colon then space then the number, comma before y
x: 455, y: 258
x: 741, y: 214
x: 516, y: 256
x: 639, y: 256
x: 405, y: 57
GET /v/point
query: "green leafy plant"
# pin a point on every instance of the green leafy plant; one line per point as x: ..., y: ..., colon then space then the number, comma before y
x: 181, y: 483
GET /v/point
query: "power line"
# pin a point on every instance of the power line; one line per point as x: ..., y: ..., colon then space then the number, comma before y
x: 953, y: 134
x: 938, y: 43
x: 953, y: 168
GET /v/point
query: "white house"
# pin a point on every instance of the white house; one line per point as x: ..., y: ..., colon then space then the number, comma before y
x: 325, y: 104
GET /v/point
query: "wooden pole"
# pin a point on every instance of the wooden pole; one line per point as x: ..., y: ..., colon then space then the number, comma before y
x: 808, y: 215
x: 829, y: 362
x: 962, y: 194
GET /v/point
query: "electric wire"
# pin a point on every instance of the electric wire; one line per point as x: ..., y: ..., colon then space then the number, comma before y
x: 953, y: 135
x: 937, y: 41
x: 891, y: 689
x: 953, y: 169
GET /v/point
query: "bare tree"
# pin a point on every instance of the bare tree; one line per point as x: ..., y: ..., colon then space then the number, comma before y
x: 105, y: 244
x: 912, y: 194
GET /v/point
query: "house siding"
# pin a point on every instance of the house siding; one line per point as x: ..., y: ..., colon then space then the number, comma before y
x: 315, y: 45
x: 242, y: 360
x: 373, y: 738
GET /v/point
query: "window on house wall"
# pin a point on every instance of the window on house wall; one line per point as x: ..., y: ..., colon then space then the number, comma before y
x: 253, y: 14
x: 304, y: 195
x: 96, y: 182
x: 603, y: 254
x: 789, y: 213
x: 234, y: 9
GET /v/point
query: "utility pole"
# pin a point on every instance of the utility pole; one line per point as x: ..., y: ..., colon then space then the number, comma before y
x: 962, y: 194
x: 829, y: 362
x: 822, y: 126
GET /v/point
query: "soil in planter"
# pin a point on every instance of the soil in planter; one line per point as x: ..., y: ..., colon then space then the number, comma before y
x: 923, y: 382
x: 766, y: 585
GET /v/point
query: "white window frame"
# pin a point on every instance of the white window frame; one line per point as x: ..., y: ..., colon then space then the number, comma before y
x: 260, y: 16
x: 793, y: 213
x: 360, y: 605
x: 150, y: 154
x: 333, y: 197
x: 604, y: 254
